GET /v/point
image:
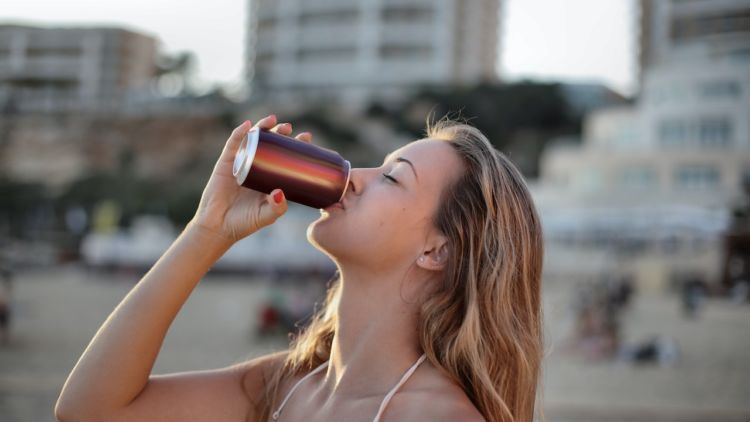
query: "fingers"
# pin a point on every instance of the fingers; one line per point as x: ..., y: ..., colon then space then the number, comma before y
x: 267, y: 122
x: 270, y: 123
x: 286, y: 130
x: 233, y: 143
x: 240, y: 131
x: 276, y: 198
x: 283, y: 129
x: 304, y: 137
x: 274, y: 207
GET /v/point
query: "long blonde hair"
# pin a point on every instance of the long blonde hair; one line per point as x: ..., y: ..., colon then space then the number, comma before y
x: 483, y: 325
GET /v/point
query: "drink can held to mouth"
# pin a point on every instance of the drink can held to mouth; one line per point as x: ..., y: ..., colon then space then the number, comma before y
x: 308, y: 174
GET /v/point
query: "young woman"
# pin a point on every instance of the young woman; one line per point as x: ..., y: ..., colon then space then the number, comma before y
x: 435, y: 313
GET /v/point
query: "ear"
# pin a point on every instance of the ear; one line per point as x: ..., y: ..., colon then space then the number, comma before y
x: 434, y: 259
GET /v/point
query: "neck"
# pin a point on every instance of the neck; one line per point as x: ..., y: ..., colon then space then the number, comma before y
x: 375, y: 340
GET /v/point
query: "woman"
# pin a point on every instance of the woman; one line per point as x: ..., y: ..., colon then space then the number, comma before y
x: 435, y: 313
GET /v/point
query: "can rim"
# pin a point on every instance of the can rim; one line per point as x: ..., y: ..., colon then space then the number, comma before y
x: 348, y: 176
x: 243, y: 160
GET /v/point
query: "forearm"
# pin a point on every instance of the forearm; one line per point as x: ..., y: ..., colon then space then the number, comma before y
x: 116, y: 365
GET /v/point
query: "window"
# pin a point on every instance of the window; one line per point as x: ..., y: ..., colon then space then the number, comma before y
x: 745, y: 177
x: 637, y: 177
x: 264, y: 58
x: 672, y: 132
x: 691, y: 27
x: 407, y: 13
x: 714, y: 131
x: 52, y: 51
x: 332, y: 17
x: 697, y: 176
x: 323, y: 54
x: 720, y: 89
x: 704, y: 131
x: 267, y: 24
x: 392, y: 51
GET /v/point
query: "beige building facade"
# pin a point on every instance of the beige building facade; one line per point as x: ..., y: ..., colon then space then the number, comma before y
x: 355, y: 50
x: 48, y: 68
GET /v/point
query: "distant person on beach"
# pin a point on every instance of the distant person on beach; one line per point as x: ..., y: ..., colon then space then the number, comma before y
x: 434, y: 315
x: 693, y: 292
x: 6, y: 289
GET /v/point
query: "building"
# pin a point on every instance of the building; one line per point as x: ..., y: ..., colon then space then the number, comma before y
x: 354, y: 50
x: 688, y: 134
x: 648, y: 189
x: 679, y: 30
x: 49, y: 68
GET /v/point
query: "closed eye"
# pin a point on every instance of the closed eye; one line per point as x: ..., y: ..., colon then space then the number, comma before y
x: 389, y: 177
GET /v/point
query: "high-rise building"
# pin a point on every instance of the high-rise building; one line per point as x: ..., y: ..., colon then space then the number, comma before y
x: 681, y: 30
x: 354, y: 50
x: 650, y: 188
x: 58, y: 66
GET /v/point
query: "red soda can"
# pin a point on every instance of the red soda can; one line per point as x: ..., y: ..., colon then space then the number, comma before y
x: 308, y: 174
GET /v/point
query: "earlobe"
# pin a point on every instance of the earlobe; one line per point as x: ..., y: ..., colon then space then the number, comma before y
x: 436, y: 260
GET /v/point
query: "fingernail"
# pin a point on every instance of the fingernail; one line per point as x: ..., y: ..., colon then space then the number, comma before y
x: 278, y: 196
x: 246, y: 122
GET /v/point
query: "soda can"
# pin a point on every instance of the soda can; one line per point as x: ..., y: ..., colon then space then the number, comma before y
x: 308, y: 174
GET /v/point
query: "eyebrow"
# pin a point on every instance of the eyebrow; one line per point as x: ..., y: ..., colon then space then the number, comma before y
x: 404, y: 160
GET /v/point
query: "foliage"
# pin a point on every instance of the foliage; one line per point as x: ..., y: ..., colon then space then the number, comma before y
x: 518, y: 118
x: 18, y: 199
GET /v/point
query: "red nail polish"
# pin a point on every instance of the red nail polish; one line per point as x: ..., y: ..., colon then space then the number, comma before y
x: 278, y: 196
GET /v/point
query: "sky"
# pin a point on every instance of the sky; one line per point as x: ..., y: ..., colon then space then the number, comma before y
x: 578, y: 40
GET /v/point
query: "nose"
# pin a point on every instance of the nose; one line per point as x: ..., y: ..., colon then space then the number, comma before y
x: 353, y: 186
x: 358, y: 179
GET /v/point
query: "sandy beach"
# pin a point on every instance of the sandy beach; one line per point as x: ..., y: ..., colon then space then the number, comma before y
x: 56, y: 313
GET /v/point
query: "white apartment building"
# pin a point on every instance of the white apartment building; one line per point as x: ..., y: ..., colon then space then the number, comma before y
x: 649, y: 189
x: 354, y: 50
x: 674, y: 31
x: 47, y: 68
x: 687, y: 140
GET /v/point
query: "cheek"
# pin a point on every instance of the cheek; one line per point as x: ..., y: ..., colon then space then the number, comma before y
x: 381, y: 228
x: 384, y: 209
x: 386, y: 222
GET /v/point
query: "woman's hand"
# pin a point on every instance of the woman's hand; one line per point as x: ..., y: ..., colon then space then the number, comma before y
x: 233, y: 211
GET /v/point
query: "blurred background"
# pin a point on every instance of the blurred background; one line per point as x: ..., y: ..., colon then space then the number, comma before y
x: 630, y: 120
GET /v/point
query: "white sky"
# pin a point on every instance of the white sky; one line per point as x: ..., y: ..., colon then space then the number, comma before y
x: 591, y: 40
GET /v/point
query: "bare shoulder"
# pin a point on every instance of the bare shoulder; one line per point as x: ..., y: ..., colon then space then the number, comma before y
x: 433, y: 397
x: 255, y: 373
x: 443, y: 407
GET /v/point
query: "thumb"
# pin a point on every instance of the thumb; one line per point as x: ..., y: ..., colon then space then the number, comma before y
x: 270, y: 210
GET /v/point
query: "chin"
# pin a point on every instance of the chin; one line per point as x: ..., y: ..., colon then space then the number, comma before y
x: 328, y: 238
x: 318, y: 234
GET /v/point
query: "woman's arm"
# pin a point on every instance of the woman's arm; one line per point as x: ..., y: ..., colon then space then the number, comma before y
x: 116, y: 365
x: 111, y: 379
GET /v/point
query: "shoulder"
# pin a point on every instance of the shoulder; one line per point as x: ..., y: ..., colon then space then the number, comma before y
x: 433, y: 397
x: 434, y: 406
x: 255, y: 373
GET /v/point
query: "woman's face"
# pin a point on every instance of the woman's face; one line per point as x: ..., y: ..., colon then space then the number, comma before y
x: 387, y: 221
